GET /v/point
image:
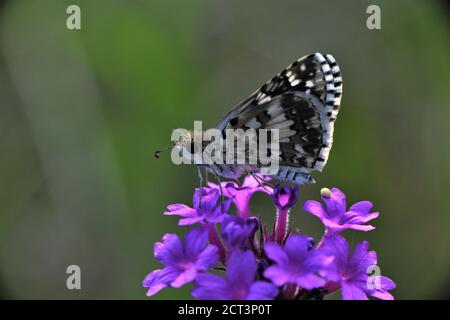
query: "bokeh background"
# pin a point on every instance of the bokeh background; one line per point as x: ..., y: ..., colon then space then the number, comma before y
x: 82, y: 111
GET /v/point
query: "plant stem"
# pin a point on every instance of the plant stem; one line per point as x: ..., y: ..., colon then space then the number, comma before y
x: 281, y: 225
x: 215, y: 239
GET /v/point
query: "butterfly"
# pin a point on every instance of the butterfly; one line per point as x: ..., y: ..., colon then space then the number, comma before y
x: 302, y: 102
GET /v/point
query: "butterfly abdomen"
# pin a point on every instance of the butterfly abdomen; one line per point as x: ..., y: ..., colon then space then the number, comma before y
x: 294, y: 175
x: 230, y: 171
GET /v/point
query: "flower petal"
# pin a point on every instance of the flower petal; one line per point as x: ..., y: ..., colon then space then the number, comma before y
x: 237, y: 231
x: 241, y: 268
x: 319, y: 260
x: 336, y: 203
x: 351, y: 291
x: 227, y: 188
x: 189, y: 221
x: 332, y: 227
x: 253, y: 183
x: 379, y: 287
x: 315, y: 208
x: 181, y: 210
x: 362, y: 207
x: 298, y: 246
x: 159, y: 279
x: 360, y: 251
x: 194, y: 242
x: 262, y: 290
x: 211, y: 287
x: 387, y: 283
x: 358, y: 218
x: 358, y: 227
x: 241, y: 200
x: 278, y: 275
x: 285, y: 198
x: 184, y: 277
x: 208, y: 201
x: 241, y: 195
x: 383, y: 295
x: 310, y: 281
x: 169, y: 250
x: 338, y: 247
x: 276, y: 253
x: 208, y: 258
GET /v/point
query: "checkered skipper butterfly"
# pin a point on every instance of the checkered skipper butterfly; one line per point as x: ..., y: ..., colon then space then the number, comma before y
x: 302, y: 102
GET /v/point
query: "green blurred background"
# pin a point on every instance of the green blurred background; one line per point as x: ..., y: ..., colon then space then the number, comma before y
x: 82, y: 111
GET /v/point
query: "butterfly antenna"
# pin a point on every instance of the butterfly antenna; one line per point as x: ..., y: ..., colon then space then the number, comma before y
x: 158, y: 152
x: 221, y: 192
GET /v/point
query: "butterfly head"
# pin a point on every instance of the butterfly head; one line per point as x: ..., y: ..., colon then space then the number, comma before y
x: 184, y: 144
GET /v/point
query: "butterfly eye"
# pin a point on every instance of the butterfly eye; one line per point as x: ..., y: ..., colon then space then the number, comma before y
x: 188, y: 146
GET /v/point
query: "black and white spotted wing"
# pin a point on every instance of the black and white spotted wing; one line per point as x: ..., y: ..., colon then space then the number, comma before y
x: 302, y: 101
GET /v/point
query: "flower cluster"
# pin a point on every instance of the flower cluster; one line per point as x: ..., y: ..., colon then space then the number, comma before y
x: 233, y: 256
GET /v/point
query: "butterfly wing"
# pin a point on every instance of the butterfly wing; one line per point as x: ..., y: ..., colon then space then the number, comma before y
x: 302, y: 102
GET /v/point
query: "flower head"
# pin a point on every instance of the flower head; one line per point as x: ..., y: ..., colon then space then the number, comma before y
x: 335, y: 216
x: 237, y: 231
x: 182, y: 260
x: 298, y: 262
x: 274, y: 263
x: 240, y: 282
x: 285, y: 198
x: 207, y: 209
x: 241, y: 194
x: 350, y: 271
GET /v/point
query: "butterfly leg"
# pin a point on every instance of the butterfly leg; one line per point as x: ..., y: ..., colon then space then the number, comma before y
x: 260, y: 181
x: 207, y: 177
x: 221, y: 191
x: 200, y: 176
x: 277, y: 184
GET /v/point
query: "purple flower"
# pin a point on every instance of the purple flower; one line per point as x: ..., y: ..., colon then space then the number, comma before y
x: 182, y: 260
x: 241, y: 195
x: 237, y: 231
x: 350, y: 271
x: 275, y: 264
x: 335, y: 216
x: 211, y: 209
x: 298, y: 262
x: 239, y: 283
x: 284, y: 199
